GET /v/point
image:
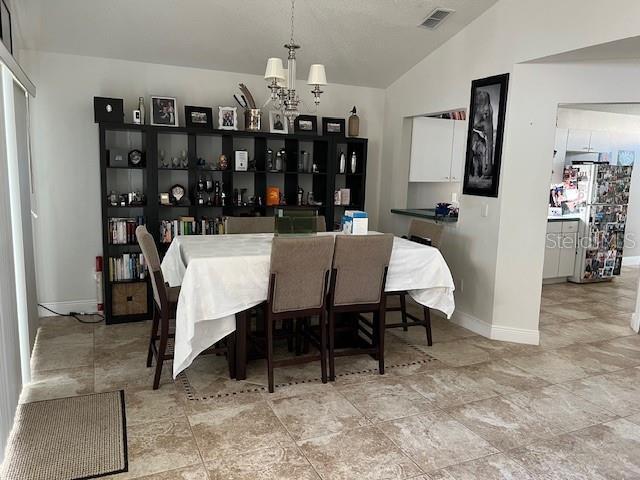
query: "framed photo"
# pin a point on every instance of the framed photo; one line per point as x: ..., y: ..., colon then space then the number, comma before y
x: 484, y: 136
x: 307, y: 124
x: 278, y: 123
x: 333, y: 126
x: 198, y: 117
x: 5, y: 26
x: 228, y: 118
x: 164, y: 111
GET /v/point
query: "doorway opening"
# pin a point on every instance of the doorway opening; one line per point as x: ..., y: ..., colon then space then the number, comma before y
x: 592, y: 244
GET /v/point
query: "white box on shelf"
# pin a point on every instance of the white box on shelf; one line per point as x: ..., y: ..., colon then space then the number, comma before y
x: 355, y: 222
x: 242, y: 160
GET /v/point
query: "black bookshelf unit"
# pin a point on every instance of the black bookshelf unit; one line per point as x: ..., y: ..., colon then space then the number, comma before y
x: 123, y: 299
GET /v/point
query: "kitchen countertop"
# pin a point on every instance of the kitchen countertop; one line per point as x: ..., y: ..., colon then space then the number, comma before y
x: 565, y: 218
x: 428, y: 213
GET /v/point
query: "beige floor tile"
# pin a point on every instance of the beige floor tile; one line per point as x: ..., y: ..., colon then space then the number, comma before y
x: 68, y: 335
x: 502, y: 377
x: 277, y: 463
x: 618, y: 392
x: 493, y: 467
x: 435, y: 440
x: 457, y: 353
x: 448, y: 386
x: 571, y: 363
x: 519, y: 419
x: 52, y: 384
x: 360, y: 454
x: 573, y: 311
x: 159, y: 447
x: 48, y: 356
x: 386, y: 399
x: 235, y: 427
x: 145, y: 405
x: 608, y: 451
x: 309, y: 416
x: 195, y: 472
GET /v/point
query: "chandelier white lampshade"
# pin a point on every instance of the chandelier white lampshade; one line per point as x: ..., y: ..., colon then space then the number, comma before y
x: 317, y: 75
x: 274, y: 70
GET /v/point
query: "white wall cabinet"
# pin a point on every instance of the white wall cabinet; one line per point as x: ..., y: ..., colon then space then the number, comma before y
x: 437, y: 150
x: 594, y: 141
x: 560, y: 251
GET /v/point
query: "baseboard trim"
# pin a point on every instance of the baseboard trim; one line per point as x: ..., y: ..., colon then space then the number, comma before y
x: 630, y: 261
x: 65, y: 308
x: 496, y: 332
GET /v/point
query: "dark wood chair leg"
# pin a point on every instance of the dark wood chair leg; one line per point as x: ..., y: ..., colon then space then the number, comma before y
x: 381, y: 330
x: 427, y: 321
x: 305, y: 339
x: 332, y: 335
x: 270, y: 353
x: 403, y: 311
x: 241, y: 346
x: 162, y: 348
x: 298, y: 334
x: 231, y: 355
x: 154, y: 334
x: 323, y: 346
x: 287, y: 326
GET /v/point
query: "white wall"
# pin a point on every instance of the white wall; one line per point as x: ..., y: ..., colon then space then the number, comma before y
x: 499, y: 258
x: 625, y: 135
x: 65, y: 150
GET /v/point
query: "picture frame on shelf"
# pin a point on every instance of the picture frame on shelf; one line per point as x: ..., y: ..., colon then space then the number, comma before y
x: 164, y: 111
x: 333, y: 126
x: 198, y: 117
x: 306, y: 124
x: 228, y: 118
x: 485, y: 135
x: 278, y: 122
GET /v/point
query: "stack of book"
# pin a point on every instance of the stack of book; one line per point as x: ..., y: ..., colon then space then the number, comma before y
x: 129, y: 266
x: 169, y: 229
x: 122, y: 231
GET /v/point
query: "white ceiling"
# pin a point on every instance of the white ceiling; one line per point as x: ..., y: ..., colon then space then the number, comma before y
x: 361, y: 42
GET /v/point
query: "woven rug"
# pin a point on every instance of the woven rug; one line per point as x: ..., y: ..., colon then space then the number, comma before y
x: 68, y: 439
x: 207, y: 377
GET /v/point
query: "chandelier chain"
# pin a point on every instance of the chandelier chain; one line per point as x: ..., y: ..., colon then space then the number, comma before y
x: 293, y: 5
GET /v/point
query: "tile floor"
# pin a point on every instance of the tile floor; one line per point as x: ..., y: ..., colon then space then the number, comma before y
x: 569, y: 408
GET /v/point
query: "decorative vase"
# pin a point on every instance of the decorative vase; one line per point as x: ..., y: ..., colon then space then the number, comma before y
x: 354, y: 123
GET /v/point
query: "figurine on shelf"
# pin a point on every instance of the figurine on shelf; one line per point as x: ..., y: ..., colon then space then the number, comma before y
x: 223, y: 162
x: 269, y: 163
x: 184, y: 159
x: 164, y: 163
x: 175, y: 162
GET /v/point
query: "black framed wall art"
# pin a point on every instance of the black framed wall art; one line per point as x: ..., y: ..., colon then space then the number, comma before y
x: 485, y: 135
x: 333, y: 126
x: 198, y: 117
x: 164, y: 111
x: 307, y: 124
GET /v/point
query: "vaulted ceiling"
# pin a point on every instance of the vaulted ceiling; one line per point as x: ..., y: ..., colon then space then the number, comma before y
x: 361, y: 42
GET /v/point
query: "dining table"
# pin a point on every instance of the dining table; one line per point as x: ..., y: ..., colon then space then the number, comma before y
x: 223, y: 276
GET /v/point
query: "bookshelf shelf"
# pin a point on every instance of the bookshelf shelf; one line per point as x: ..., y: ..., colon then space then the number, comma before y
x: 208, y: 145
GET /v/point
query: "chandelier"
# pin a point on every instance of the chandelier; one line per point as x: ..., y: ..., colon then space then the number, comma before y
x: 282, y: 83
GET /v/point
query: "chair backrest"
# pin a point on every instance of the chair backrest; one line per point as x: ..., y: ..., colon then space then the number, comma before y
x: 429, y: 230
x: 250, y: 225
x: 150, y: 252
x: 299, y: 272
x: 359, y: 266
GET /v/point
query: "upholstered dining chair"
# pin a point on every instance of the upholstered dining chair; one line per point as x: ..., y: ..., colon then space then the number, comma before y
x: 427, y: 233
x: 250, y: 225
x: 298, y: 279
x: 358, y: 278
x: 165, y: 299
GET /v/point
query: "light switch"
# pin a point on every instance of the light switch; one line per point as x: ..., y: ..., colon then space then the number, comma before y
x: 485, y: 210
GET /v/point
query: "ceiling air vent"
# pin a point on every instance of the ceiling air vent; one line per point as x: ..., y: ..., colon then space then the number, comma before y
x: 436, y: 17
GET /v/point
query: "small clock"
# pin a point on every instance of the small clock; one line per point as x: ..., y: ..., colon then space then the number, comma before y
x: 177, y: 192
x: 135, y: 158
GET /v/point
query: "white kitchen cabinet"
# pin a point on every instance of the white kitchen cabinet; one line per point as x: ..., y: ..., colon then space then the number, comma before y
x: 560, y: 251
x: 437, y: 150
x: 459, y: 150
x: 578, y: 140
x: 600, y: 141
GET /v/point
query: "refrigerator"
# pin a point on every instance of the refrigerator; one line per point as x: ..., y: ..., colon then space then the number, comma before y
x: 598, y: 195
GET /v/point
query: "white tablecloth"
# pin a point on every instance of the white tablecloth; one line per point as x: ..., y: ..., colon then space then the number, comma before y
x: 221, y: 275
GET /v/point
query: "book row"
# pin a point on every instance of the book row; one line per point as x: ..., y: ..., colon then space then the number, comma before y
x: 129, y: 266
x: 122, y: 231
x: 169, y: 229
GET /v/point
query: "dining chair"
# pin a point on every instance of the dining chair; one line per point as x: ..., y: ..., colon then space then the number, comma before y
x: 427, y: 233
x: 250, y: 225
x: 321, y: 224
x: 165, y: 300
x: 298, y: 279
x: 358, y: 278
